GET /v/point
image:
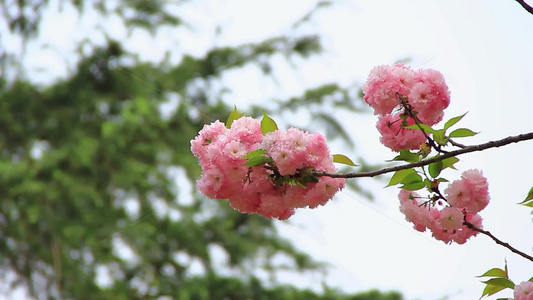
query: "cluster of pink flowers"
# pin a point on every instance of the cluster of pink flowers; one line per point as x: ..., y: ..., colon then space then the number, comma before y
x: 523, y: 291
x: 263, y: 189
x: 466, y: 198
x: 425, y: 91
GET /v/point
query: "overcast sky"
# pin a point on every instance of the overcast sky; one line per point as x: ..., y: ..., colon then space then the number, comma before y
x: 485, y: 51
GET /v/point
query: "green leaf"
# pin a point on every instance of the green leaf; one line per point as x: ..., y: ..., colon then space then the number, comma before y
x: 502, y: 282
x: 491, y: 290
x: 462, y: 132
x: 258, y: 160
x: 267, y: 124
x: 414, y: 186
x: 425, y: 127
x: 343, y: 159
x: 439, y: 137
x: 407, y: 156
x: 411, y: 178
x: 528, y: 204
x: 435, y: 168
x: 233, y: 116
x: 399, y: 176
x: 449, y: 162
x: 255, y: 153
x: 452, y: 121
x: 494, y: 272
x: 528, y: 197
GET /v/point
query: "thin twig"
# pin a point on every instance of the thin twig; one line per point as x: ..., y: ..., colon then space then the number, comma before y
x: 425, y: 162
x: 526, y: 6
x: 456, y: 144
x: 498, y: 241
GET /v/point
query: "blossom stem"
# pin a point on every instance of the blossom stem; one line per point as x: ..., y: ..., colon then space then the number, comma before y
x: 425, y: 162
x: 498, y: 241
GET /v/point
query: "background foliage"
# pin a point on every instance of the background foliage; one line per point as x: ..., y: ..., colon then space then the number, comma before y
x: 95, y: 171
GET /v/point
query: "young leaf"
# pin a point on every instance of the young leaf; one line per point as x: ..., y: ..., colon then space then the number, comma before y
x: 399, y: 176
x: 343, y: 159
x: 414, y: 186
x: 425, y: 127
x: 233, y: 116
x: 435, y: 168
x: 267, y: 124
x: 407, y: 156
x: 438, y: 136
x: 257, y: 152
x: 528, y: 204
x: 411, y: 178
x: 462, y: 132
x: 449, y: 162
x: 494, y: 272
x: 257, y: 161
x: 491, y: 290
x: 528, y: 197
x: 452, y: 121
x: 503, y: 282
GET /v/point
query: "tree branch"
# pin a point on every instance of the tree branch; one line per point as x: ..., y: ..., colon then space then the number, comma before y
x: 525, y: 6
x: 425, y: 162
x: 498, y: 241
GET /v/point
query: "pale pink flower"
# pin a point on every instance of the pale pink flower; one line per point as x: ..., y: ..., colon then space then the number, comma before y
x: 395, y: 137
x: 273, y: 206
x: 429, y: 96
x: 523, y: 291
x: 210, y: 182
x: 451, y: 218
x: 246, y: 130
x: 209, y: 134
x: 246, y: 202
x: 470, y: 192
x: 384, y: 83
x: 323, y: 191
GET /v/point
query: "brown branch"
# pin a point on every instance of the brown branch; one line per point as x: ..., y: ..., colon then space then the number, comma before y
x: 525, y: 6
x: 425, y: 162
x: 498, y: 241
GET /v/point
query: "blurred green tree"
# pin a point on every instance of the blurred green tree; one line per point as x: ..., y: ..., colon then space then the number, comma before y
x: 90, y: 204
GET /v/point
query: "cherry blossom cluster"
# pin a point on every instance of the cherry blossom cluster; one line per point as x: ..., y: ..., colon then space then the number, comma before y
x: 398, y: 95
x: 274, y: 188
x: 465, y: 198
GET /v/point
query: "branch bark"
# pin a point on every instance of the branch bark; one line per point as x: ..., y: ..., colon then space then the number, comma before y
x: 526, y: 6
x: 425, y: 162
x: 498, y: 241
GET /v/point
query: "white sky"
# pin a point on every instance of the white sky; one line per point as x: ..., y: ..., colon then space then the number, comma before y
x: 484, y: 49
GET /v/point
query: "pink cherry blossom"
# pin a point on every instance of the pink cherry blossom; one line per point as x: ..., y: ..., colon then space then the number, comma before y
x: 273, y: 206
x: 208, y: 135
x: 451, y: 218
x: 523, y: 291
x: 429, y: 96
x: 470, y: 193
x: 384, y: 83
x: 395, y: 137
x: 323, y: 190
x: 445, y: 224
